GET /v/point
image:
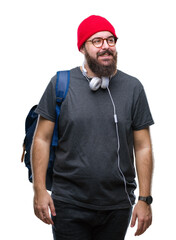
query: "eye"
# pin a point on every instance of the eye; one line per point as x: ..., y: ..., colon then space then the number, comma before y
x: 111, y: 40
x: 96, y: 40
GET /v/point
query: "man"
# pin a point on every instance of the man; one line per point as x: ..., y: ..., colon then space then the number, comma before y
x: 93, y: 180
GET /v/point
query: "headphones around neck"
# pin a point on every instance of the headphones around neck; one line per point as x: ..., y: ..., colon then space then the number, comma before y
x: 95, y: 83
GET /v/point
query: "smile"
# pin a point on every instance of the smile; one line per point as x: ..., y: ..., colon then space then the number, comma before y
x: 105, y: 53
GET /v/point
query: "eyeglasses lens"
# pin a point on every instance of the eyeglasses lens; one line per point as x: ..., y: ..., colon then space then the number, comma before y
x: 98, y: 42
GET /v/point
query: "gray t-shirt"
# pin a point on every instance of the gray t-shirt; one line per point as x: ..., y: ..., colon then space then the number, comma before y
x: 86, y: 172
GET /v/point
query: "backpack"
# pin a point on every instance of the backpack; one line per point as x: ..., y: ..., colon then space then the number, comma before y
x: 62, y: 84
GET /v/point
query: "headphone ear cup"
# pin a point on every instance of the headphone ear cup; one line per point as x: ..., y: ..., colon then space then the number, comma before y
x: 105, y: 82
x: 95, y: 83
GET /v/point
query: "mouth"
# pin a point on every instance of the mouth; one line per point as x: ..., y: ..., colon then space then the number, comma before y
x: 105, y: 54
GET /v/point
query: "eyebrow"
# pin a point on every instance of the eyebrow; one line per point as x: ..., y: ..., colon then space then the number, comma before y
x: 101, y: 37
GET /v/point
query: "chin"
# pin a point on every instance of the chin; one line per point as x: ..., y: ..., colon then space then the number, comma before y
x: 105, y: 62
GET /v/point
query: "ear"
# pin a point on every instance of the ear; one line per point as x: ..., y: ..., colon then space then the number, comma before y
x: 82, y: 49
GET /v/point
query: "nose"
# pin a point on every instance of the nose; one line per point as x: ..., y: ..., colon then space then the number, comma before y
x: 105, y: 44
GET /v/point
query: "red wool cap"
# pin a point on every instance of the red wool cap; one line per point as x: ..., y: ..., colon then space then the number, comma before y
x: 92, y: 25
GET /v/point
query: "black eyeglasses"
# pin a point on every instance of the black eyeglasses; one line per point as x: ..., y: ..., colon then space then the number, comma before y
x: 98, y: 42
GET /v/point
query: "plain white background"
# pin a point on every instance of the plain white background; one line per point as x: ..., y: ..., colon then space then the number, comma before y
x: 38, y: 37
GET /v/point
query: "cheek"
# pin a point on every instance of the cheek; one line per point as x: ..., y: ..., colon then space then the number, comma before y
x: 113, y: 49
x: 93, y: 54
x: 92, y: 51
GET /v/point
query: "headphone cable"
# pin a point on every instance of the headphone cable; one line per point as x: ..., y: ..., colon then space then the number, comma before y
x: 118, y: 147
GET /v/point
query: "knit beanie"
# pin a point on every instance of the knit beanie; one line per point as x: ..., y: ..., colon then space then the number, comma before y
x: 92, y: 25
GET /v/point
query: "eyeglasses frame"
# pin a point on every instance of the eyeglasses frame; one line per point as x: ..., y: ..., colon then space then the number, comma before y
x: 115, y: 38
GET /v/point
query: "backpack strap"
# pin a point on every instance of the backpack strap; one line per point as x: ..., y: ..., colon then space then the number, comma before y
x: 62, y: 84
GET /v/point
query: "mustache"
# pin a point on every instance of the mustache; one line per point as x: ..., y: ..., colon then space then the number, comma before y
x: 104, y: 52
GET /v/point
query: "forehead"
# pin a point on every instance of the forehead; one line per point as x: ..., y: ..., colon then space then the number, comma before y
x: 103, y: 34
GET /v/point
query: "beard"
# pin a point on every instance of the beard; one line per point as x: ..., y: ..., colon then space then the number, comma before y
x: 99, y: 69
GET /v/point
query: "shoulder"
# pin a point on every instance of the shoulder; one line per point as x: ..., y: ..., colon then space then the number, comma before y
x: 127, y: 84
x: 53, y: 80
x: 128, y: 80
x: 74, y: 72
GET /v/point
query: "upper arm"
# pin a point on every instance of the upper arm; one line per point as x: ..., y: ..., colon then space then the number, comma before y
x: 44, y: 129
x: 142, y: 139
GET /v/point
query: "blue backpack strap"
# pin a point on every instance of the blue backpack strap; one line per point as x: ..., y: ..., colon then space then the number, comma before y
x: 62, y: 84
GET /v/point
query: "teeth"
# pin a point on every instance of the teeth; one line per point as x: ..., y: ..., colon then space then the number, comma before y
x: 105, y: 54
